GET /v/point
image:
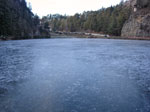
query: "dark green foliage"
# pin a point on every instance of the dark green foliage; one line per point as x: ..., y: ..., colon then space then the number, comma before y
x: 109, y: 21
x: 16, y: 20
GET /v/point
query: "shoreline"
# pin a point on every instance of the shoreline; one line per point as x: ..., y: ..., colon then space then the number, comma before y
x: 56, y: 35
x: 89, y: 35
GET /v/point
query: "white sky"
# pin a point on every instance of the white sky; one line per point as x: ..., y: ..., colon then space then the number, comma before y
x: 68, y: 7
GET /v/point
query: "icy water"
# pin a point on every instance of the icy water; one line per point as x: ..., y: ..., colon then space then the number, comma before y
x: 75, y: 75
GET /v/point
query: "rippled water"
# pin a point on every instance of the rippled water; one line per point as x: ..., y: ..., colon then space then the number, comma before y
x: 75, y: 75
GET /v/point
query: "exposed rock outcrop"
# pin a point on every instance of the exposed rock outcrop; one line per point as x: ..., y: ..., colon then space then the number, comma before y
x: 138, y: 25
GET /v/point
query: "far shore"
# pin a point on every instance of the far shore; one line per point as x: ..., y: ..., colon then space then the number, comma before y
x: 81, y: 35
x: 93, y: 35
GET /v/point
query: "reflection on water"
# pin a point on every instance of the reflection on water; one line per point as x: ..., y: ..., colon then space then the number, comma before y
x: 74, y: 75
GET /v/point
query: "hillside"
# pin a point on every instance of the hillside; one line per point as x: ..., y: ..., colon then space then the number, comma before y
x: 127, y: 19
x: 104, y: 21
x: 138, y: 25
x: 17, y: 21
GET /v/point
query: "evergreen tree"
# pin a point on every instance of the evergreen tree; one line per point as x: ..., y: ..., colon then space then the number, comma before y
x: 16, y: 19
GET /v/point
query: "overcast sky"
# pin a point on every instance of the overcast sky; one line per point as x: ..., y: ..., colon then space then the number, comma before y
x: 68, y: 7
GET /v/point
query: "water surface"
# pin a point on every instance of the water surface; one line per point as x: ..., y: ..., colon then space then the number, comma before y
x: 75, y: 75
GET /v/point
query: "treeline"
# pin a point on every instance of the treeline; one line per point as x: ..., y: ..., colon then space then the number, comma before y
x: 106, y: 20
x: 17, y: 20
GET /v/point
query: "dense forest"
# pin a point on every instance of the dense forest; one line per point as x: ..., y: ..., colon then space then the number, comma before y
x: 106, y: 20
x: 18, y: 22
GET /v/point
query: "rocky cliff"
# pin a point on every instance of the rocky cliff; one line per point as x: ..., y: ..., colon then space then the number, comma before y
x: 138, y: 25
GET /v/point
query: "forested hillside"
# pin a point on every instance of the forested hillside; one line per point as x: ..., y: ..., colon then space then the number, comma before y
x: 106, y: 20
x: 17, y: 20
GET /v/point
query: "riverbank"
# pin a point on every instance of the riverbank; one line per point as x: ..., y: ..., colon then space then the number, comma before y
x: 93, y: 35
x: 5, y: 38
x: 78, y: 35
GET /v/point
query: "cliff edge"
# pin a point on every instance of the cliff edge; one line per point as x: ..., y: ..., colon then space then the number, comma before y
x: 138, y: 25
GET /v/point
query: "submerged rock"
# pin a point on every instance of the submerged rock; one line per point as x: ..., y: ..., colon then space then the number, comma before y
x: 2, y: 91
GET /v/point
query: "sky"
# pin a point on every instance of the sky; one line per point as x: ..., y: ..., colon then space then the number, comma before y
x: 68, y: 7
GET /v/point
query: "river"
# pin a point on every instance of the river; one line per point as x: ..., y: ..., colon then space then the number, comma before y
x: 75, y: 75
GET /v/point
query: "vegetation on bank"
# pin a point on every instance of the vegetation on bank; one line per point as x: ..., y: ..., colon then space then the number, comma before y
x: 106, y: 21
x: 18, y: 22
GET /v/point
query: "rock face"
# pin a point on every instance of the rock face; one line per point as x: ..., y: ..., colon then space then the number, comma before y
x: 142, y: 3
x: 138, y: 25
